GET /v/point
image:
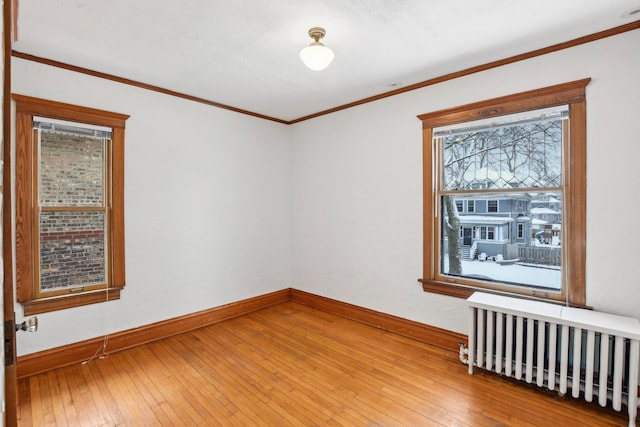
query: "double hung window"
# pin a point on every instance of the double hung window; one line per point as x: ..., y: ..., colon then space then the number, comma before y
x: 509, y: 156
x: 69, y: 205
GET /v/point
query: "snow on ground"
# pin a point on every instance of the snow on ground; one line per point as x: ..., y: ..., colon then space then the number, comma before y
x: 547, y: 277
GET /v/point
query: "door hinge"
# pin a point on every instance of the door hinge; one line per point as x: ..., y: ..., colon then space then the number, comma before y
x: 9, y: 339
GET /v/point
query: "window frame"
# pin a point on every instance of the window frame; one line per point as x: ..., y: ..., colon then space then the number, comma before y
x: 573, y: 94
x: 471, y: 206
x: 491, y: 232
x: 26, y: 216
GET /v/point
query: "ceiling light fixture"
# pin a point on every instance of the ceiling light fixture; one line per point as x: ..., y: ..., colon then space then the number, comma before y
x: 316, y: 56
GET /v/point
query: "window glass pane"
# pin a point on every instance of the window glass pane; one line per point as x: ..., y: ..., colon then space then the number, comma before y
x: 72, y: 249
x: 513, y: 156
x: 515, y: 247
x: 71, y: 170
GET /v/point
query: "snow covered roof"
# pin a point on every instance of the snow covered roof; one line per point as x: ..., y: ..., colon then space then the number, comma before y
x: 537, y: 221
x: 479, y: 219
x: 550, y: 200
x: 543, y: 211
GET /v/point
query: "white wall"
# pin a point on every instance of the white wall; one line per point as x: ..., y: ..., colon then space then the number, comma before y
x: 221, y: 206
x: 207, y: 206
x: 357, y: 186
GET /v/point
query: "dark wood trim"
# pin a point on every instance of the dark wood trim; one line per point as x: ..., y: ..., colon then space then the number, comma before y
x: 58, y: 110
x: 9, y: 19
x: 565, y: 93
x: 445, y: 289
x: 13, y: 28
x: 451, y: 76
x: 141, y: 85
x: 468, y: 71
x: 419, y: 331
x: 576, y: 233
x: 62, y: 302
x: 464, y: 292
x: 117, y: 241
x: 23, y: 229
x: 46, y: 360
x: 428, y: 227
x: 7, y: 246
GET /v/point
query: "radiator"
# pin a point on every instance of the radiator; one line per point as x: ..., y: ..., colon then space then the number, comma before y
x: 595, y: 355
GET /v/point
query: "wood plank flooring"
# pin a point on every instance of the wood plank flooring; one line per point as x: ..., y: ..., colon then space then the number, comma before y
x: 291, y: 365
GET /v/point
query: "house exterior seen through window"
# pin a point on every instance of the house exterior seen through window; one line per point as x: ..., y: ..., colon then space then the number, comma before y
x: 509, y: 166
x: 511, y: 171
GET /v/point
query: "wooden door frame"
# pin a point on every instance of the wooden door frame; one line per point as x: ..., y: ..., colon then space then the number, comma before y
x: 9, y: 16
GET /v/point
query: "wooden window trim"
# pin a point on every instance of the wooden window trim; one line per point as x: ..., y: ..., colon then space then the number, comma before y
x: 572, y: 94
x: 26, y: 109
x: 14, y: 21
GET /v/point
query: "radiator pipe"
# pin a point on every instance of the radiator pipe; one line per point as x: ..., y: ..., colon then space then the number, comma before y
x: 464, y: 352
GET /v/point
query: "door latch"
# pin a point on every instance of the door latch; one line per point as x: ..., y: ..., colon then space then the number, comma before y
x: 9, y: 337
x: 10, y: 329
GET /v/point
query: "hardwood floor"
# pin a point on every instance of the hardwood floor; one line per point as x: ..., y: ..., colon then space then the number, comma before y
x: 291, y: 365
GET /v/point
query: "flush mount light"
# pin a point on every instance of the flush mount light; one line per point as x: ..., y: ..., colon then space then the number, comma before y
x: 316, y: 56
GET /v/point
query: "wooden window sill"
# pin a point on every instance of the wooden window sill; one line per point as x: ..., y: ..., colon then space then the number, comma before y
x: 446, y: 289
x: 460, y: 291
x: 45, y: 305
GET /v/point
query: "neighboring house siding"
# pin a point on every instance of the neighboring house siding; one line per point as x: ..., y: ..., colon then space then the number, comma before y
x: 511, y: 212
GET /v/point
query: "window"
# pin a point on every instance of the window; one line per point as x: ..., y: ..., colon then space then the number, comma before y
x: 69, y: 205
x: 486, y: 233
x: 520, y: 231
x: 471, y: 206
x: 459, y: 205
x: 521, y: 147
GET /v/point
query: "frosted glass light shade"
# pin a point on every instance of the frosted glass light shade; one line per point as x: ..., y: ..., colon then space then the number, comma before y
x: 316, y: 56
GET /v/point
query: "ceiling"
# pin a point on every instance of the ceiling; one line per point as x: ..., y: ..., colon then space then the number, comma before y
x: 244, y: 53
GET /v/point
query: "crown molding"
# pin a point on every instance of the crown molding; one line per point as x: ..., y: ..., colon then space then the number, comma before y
x: 451, y: 76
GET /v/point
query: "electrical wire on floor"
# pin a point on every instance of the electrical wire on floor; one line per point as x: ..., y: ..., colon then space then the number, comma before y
x: 101, y: 352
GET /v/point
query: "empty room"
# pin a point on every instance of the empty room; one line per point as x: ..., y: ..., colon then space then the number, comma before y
x: 358, y: 213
